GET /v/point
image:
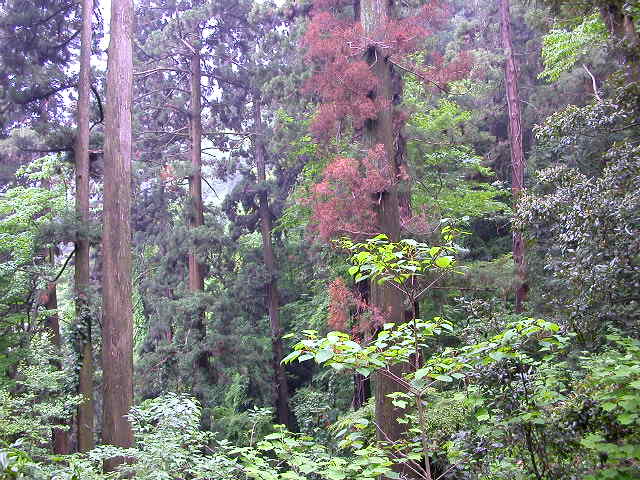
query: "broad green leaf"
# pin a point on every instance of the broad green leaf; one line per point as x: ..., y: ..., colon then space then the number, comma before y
x: 444, y: 262
x: 324, y: 355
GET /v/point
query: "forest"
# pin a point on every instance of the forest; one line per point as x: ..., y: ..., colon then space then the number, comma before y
x: 319, y: 239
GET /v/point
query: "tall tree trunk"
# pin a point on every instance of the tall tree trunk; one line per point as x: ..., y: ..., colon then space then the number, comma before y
x: 196, y: 207
x: 82, y: 281
x: 374, y: 16
x: 517, y: 151
x: 117, y: 328
x: 281, y: 390
x: 196, y: 215
x: 60, y: 437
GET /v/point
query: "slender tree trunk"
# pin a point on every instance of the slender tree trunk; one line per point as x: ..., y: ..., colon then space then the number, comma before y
x: 117, y: 328
x: 374, y: 15
x: 281, y: 393
x: 196, y: 207
x: 60, y: 437
x: 517, y: 151
x: 196, y: 215
x: 82, y: 281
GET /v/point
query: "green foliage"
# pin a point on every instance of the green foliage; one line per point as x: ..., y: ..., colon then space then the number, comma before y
x: 283, y: 456
x: 312, y: 411
x: 382, y: 261
x: 613, y: 382
x: 170, y: 446
x: 587, y: 229
x: 452, y: 180
x: 562, y: 49
x: 27, y: 212
x: 38, y: 402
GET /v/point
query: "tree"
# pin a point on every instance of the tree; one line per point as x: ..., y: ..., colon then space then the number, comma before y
x: 52, y: 323
x: 117, y: 328
x: 82, y: 280
x: 266, y: 178
x: 273, y: 298
x: 38, y: 46
x: 517, y: 152
x: 375, y: 17
x: 358, y: 80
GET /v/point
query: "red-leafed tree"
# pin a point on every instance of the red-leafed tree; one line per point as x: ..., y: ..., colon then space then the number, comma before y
x: 358, y: 48
x: 344, y: 202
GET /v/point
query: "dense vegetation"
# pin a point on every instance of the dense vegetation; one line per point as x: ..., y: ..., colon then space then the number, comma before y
x: 319, y: 239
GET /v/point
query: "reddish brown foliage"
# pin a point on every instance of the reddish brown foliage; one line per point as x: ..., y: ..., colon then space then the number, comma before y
x: 343, y: 79
x: 439, y: 72
x: 344, y: 202
x: 349, y: 311
x: 341, y: 302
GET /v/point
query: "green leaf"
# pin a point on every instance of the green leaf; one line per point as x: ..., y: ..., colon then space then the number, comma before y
x: 482, y: 415
x: 292, y: 356
x: 627, y: 418
x: 497, y: 355
x: 442, y: 378
x: 324, y: 355
x: 444, y: 262
x: 399, y: 403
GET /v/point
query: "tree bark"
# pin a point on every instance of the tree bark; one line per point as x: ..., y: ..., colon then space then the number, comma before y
x: 60, y: 437
x: 82, y: 281
x: 517, y: 151
x: 281, y: 387
x: 117, y: 329
x: 196, y: 215
x: 374, y: 16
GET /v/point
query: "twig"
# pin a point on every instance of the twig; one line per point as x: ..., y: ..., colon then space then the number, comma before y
x: 593, y: 80
x: 64, y: 266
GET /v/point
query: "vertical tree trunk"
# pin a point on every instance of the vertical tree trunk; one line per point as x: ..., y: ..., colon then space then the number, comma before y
x: 517, y: 151
x: 281, y: 393
x: 196, y: 214
x: 60, y: 437
x: 196, y: 207
x: 83, y: 314
x: 374, y: 15
x: 117, y: 329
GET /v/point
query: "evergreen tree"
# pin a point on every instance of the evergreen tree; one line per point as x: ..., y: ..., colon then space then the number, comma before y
x: 82, y: 261
x: 517, y: 152
x: 117, y: 328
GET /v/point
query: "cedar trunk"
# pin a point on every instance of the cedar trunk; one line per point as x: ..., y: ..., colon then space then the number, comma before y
x: 117, y: 329
x: 196, y: 215
x: 60, y: 437
x: 83, y: 313
x: 196, y: 208
x: 281, y: 387
x: 374, y: 15
x: 517, y: 151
